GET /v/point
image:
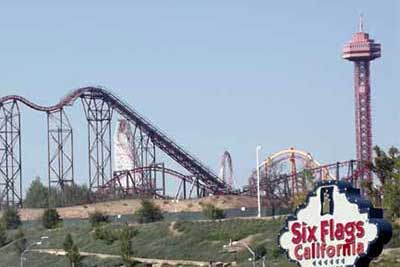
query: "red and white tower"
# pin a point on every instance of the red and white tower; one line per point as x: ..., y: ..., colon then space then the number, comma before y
x: 361, y: 50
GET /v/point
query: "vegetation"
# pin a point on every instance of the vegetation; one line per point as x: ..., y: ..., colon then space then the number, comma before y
x: 197, y: 240
x: 213, y: 213
x: 72, y: 251
x: 386, y: 166
x: 38, y: 195
x: 126, y: 245
x: 149, y: 212
x: 51, y: 219
x: 105, y: 234
x: 261, y: 251
x: 11, y: 219
x: 20, y: 241
x: 98, y: 218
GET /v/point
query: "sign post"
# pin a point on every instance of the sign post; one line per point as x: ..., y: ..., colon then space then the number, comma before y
x: 335, y: 227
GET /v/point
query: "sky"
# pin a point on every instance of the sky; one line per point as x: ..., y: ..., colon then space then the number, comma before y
x: 214, y: 75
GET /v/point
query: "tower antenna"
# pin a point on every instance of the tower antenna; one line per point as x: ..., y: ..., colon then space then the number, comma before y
x: 361, y: 23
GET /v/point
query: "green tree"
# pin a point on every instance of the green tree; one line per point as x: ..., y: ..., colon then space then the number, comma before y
x: 68, y: 242
x: 51, y: 219
x: 20, y: 241
x: 72, y: 251
x: 37, y: 195
x: 386, y: 166
x: 70, y: 195
x: 11, y: 219
x: 3, y: 235
x: 126, y: 250
x: 149, y: 212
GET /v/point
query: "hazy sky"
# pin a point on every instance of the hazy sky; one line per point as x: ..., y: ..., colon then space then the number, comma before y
x: 214, y: 75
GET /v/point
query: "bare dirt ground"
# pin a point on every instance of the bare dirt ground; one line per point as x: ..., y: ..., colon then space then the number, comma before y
x: 124, y: 207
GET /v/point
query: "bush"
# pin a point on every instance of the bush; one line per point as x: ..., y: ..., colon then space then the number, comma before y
x: 149, y: 212
x: 11, y: 219
x: 179, y: 226
x: 51, y: 219
x: 260, y: 251
x: 20, y: 241
x: 104, y: 234
x: 98, y: 218
x: 213, y: 213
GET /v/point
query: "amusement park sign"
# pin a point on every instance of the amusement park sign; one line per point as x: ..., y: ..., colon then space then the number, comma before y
x: 336, y: 227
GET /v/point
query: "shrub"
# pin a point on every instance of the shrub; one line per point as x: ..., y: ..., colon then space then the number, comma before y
x: 20, y: 241
x: 105, y: 235
x: 98, y: 218
x: 11, y: 219
x: 213, y: 213
x: 179, y: 226
x: 51, y: 219
x: 260, y: 251
x: 149, y: 212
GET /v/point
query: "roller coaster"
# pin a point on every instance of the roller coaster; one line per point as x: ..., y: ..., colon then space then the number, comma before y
x: 290, y: 173
x: 140, y: 148
x: 99, y: 106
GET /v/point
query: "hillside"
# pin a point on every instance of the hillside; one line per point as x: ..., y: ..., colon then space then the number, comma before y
x: 183, y: 243
x: 126, y: 207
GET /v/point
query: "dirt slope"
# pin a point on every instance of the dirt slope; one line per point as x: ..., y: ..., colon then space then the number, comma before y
x: 124, y: 207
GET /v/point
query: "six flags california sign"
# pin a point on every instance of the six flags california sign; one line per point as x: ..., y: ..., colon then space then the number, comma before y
x: 336, y: 227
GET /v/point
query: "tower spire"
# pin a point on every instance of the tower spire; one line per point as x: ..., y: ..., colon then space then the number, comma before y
x: 361, y: 23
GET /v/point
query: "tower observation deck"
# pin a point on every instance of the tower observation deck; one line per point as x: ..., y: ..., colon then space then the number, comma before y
x: 362, y: 50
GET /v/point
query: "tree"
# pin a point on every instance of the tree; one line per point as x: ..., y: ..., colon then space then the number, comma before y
x: 37, y: 195
x: 149, y: 212
x: 68, y: 242
x: 386, y: 166
x: 72, y: 251
x: 51, y: 219
x: 126, y: 234
x: 213, y: 213
x: 11, y: 219
x: 20, y: 241
x: 3, y: 235
x: 70, y: 195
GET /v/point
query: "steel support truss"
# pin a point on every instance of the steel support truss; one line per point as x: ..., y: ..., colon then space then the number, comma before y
x: 99, y: 115
x: 10, y: 155
x: 60, y: 149
x: 363, y: 116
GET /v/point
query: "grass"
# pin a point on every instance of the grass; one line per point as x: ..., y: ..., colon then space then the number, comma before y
x: 190, y: 240
x: 198, y: 241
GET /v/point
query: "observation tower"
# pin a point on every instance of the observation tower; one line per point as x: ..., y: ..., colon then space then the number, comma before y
x: 362, y: 50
